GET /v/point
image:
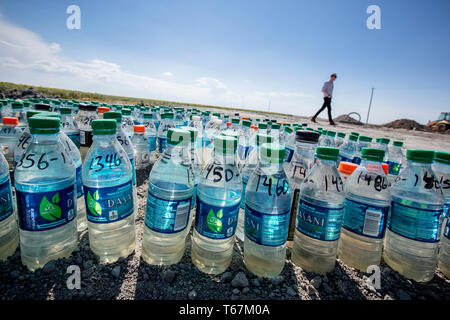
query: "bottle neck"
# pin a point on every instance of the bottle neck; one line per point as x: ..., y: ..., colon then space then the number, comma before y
x: 38, y: 138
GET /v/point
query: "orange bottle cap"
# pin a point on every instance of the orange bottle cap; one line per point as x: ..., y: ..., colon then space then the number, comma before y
x: 10, y: 120
x: 347, y: 167
x: 139, y: 128
x: 385, y: 167
x: 102, y: 109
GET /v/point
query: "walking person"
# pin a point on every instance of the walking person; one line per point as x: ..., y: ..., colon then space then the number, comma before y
x: 327, y: 91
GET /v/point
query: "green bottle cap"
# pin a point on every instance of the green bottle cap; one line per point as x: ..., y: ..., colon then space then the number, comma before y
x: 43, y: 125
x: 398, y: 143
x: 246, y: 123
x: 384, y: 140
x: 104, y: 126
x: 113, y: 115
x: 372, y: 154
x: 341, y: 134
x: 276, y: 126
x: 365, y: 138
x: 442, y: 157
x: 126, y: 111
x: 148, y: 115
x: 327, y: 153
x: 262, y: 125
x: 419, y: 155
x: 65, y: 110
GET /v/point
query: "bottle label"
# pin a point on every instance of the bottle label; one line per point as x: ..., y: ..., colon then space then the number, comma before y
x: 75, y: 137
x: 266, y: 229
x: 357, y: 160
x: 319, y: 222
x: 216, y: 222
x: 46, y: 210
x: 152, y: 143
x: 394, y: 168
x: 6, y: 200
x: 289, y: 152
x: 167, y: 216
x: 345, y: 159
x: 416, y: 224
x: 208, y: 143
x: 364, y: 219
x: 85, y: 138
x: 79, y: 177
x: 162, y: 144
x: 242, y: 152
x: 110, y: 204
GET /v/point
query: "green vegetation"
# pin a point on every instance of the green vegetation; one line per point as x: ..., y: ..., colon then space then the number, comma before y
x: 81, y: 95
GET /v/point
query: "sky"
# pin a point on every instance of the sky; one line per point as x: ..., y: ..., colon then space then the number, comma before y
x: 252, y: 54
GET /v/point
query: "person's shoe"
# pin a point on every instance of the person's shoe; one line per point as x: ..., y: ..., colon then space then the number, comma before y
x: 332, y: 123
x: 313, y: 120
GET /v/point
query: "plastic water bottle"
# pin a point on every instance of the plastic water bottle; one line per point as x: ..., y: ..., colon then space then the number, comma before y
x: 108, y: 189
x: 243, y: 142
x: 9, y: 137
x: 235, y: 124
x: 127, y: 122
x: 205, y: 118
x: 156, y: 117
x: 441, y: 167
x: 218, y: 199
x: 19, y: 112
x: 288, y: 141
x: 320, y: 214
x: 339, y: 139
x: 197, y: 124
x: 366, y: 211
x: 45, y: 183
x: 69, y: 126
x: 348, y: 149
x: 382, y: 144
x: 151, y: 134
x: 170, y: 190
x: 412, y: 239
x: 9, y: 231
x: 246, y: 171
x: 165, y: 125
x: 86, y: 114
x: 300, y: 165
x: 395, y: 159
x: 267, y: 210
x: 275, y: 132
x: 126, y: 144
x: 363, y: 142
x: 212, y: 129
x: 141, y: 147
x: 179, y: 118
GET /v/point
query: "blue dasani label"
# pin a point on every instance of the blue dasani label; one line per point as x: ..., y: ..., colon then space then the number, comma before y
x: 167, y: 216
x: 162, y: 144
x: 288, y: 154
x: 357, y: 160
x: 79, y: 177
x: 319, y: 222
x: 46, y: 210
x: 394, y: 168
x: 216, y: 222
x: 415, y: 223
x: 152, y: 143
x: 364, y: 219
x: 266, y: 229
x: 109, y: 204
x: 6, y: 200
x: 344, y: 158
x: 75, y: 137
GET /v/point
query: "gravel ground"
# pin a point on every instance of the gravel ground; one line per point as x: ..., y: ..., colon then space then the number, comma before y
x: 132, y: 278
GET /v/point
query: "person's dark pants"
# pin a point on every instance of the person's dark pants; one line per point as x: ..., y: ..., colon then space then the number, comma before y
x: 326, y: 104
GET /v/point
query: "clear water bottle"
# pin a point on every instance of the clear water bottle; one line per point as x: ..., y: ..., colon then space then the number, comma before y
x: 235, y: 124
x: 395, y: 160
x: 320, y: 214
x: 127, y: 122
x: 363, y: 142
x: 218, y: 199
x: 267, y: 210
x: 412, y: 239
x: 45, y: 183
x: 9, y: 137
x: 141, y: 147
x: 302, y: 161
x: 197, y: 124
x: 243, y: 142
x: 289, y: 144
x: 125, y: 143
x: 166, y: 124
x: 86, y: 114
x: 348, y: 149
x: 441, y: 167
x: 205, y: 118
x: 339, y: 139
x: 9, y: 231
x: 151, y: 134
x: 108, y: 189
x: 366, y: 211
x: 196, y: 166
x: 69, y: 126
x: 170, y: 190
x: 156, y: 117
x: 383, y: 144
x: 246, y: 171
x: 212, y: 129
x: 179, y: 118
x: 19, y: 112
x: 275, y: 132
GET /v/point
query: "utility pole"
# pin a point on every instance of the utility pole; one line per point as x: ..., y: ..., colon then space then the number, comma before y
x: 370, y: 105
